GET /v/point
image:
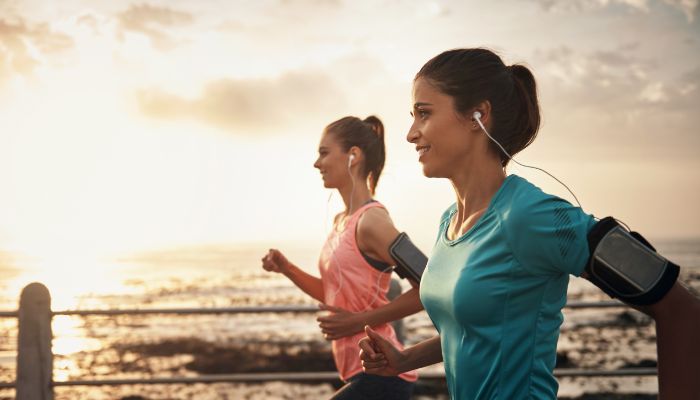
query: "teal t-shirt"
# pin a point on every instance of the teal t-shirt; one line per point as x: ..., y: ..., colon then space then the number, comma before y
x: 496, y: 293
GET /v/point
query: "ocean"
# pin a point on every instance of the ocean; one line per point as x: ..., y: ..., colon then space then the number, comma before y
x: 100, y: 347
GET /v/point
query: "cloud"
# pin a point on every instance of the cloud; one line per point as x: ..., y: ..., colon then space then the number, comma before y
x: 679, y: 94
x: 686, y: 89
x: 23, y: 46
x: 589, y: 5
x: 610, y: 77
x: 688, y: 7
x: 616, y: 80
x: 90, y: 21
x: 617, y: 102
x: 654, y: 93
x: 154, y: 22
x: 312, y: 3
x: 252, y: 106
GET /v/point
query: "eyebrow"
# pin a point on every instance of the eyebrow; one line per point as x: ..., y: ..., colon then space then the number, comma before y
x: 421, y: 104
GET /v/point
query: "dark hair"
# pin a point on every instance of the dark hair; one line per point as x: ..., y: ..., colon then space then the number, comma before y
x: 471, y: 76
x: 368, y: 135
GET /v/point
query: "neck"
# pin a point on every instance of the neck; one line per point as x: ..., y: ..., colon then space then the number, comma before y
x: 354, y: 199
x: 476, y: 183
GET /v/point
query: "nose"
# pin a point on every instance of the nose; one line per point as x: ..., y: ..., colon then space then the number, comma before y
x: 413, y: 134
x: 317, y: 163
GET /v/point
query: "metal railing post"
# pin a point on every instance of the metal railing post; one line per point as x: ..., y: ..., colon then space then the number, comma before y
x: 34, y: 356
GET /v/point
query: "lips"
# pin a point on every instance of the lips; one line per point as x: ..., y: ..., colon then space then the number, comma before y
x: 422, y: 150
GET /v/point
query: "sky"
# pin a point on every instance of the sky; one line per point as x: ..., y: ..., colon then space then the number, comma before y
x: 134, y: 126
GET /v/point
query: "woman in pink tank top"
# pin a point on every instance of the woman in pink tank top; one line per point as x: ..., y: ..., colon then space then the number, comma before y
x: 355, y: 265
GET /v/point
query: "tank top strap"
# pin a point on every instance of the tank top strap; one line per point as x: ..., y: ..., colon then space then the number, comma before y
x: 356, y: 216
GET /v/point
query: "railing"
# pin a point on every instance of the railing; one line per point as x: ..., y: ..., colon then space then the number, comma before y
x: 34, y: 378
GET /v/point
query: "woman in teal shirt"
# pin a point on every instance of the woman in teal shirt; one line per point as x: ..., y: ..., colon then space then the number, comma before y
x: 498, y: 274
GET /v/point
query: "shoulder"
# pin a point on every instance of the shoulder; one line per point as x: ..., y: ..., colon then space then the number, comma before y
x: 545, y: 232
x: 526, y: 206
x: 374, y: 221
x: 375, y: 231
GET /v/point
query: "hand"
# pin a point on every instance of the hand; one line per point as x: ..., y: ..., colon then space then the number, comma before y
x: 275, y: 261
x: 340, y: 323
x: 379, y: 356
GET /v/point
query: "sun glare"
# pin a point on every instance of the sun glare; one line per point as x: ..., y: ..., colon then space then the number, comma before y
x: 70, y: 278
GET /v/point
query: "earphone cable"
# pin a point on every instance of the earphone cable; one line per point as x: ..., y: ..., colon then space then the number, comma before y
x: 477, y: 117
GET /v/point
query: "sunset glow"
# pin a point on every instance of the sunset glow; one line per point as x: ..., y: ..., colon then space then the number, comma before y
x: 134, y: 127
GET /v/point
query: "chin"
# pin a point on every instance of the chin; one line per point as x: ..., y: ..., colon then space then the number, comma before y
x: 428, y: 172
x: 432, y: 172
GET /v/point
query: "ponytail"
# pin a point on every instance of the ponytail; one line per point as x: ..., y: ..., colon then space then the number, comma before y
x: 368, y: 135
x: 527, y: 121
x: 375, y: 165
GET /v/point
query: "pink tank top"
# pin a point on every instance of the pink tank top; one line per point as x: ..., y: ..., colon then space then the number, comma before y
x: 349, y: 282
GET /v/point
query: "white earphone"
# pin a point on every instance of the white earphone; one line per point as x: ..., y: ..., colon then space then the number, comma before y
x: 352, y: 157
x: 477, y: 117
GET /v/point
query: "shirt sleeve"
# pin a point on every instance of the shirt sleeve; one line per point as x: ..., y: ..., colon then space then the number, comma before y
x: 548, y: 235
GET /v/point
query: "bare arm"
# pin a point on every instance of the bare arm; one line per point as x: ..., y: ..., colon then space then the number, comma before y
x: 677, y: 318
x: 406, y: 304
x: 375, y: 233
x: 275, y: 261
x: 342, y: 323
x: 380, y: 357
x: 427, y: 352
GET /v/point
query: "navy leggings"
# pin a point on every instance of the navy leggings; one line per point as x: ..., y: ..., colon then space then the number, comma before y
x: 370, y: 387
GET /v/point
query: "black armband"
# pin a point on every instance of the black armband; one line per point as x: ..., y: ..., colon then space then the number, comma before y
x: 626, y: 266
x: 410, y: 261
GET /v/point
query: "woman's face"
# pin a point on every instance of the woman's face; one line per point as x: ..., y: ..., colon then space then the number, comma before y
x: 441, y: 135
x: 332, y: 162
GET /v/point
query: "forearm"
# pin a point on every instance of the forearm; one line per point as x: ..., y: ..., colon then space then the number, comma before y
x: 677, y: 301
x: 310, y: 284
x: 406, y: 304
x: 677, y: 318
x: 427, y: 352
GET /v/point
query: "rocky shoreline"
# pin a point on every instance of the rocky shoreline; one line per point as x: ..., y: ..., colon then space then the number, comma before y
x: 150, y: 346
x: 194, y: 356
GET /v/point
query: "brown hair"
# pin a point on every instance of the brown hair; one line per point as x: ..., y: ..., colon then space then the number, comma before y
x: 368, y: 135
x: 471, y: 76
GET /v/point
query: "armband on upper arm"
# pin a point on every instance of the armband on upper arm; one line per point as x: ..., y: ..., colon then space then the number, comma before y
x: 410, y: 261
x: 626, y: 266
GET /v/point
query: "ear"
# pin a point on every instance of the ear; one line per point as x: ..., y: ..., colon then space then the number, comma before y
x: 354, y: 155
x: 484, y: 112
